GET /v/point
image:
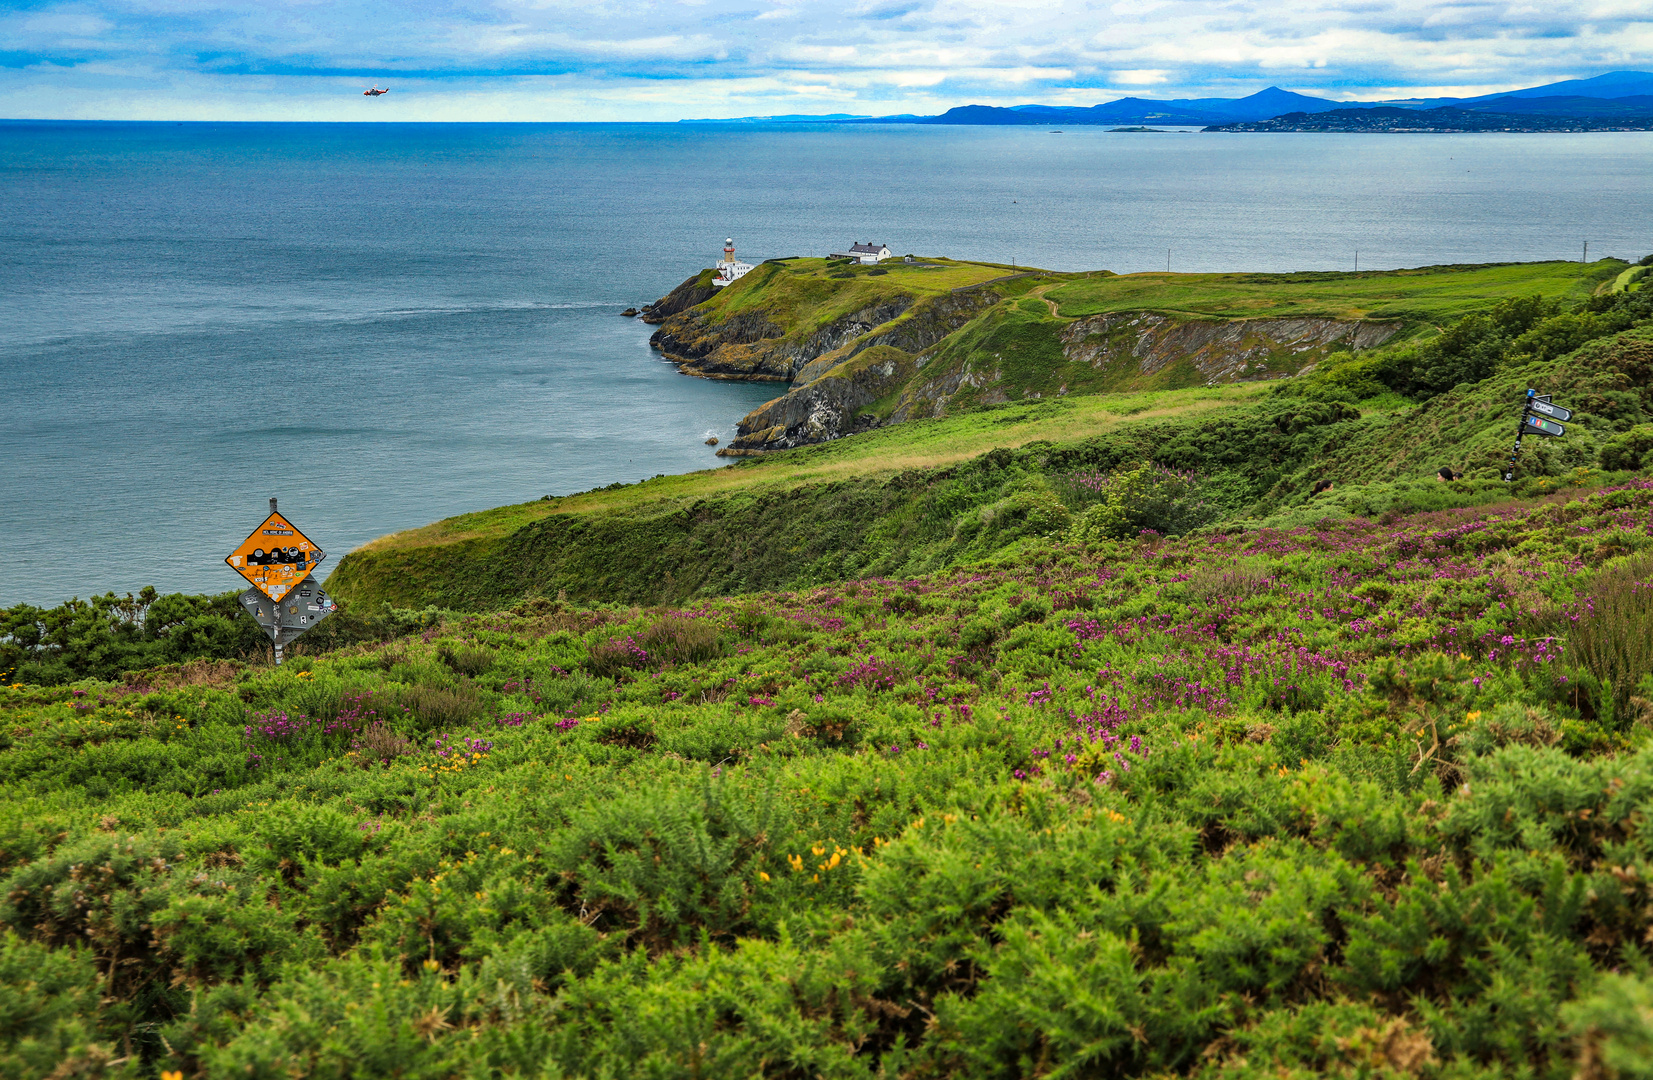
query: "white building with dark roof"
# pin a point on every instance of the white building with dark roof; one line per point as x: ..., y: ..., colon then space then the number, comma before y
x: 867, y: 253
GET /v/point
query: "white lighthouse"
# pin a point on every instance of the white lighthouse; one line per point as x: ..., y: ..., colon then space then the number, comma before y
x: 730, y: 269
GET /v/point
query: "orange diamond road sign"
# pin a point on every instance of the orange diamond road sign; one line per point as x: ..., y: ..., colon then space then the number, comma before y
x: 276, y: 557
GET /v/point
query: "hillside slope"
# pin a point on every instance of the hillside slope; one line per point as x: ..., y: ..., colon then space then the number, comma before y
x: 922, y: 496
x: 1352, y: 800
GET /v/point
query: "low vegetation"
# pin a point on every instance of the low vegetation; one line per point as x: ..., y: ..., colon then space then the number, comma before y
x: 1357, y: 798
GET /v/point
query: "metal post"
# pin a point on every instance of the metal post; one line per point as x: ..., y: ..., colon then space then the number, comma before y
x: 1520, y: 429
x: 275, y: 630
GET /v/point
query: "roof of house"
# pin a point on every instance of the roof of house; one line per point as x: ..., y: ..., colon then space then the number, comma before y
x: 872, y: 248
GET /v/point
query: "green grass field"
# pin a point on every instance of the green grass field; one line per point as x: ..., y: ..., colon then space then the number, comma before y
x: 802, y: 294
x: 1429, y: 294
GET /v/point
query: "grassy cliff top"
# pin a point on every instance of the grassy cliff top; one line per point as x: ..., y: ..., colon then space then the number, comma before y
x: 802, y: 293
x: 1428, y: 294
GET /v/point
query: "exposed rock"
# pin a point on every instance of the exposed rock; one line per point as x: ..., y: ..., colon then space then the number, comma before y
x: 696, y: 290
x: 926, y: 325
x: 1223, y: 350
x: 830, y: 390
x: 826, y: 408
x: 712, y: 441
x: 748, y: 345
x: 630, y: 313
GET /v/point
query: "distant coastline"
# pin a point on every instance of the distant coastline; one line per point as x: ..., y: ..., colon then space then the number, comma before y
x: 1444, y: 120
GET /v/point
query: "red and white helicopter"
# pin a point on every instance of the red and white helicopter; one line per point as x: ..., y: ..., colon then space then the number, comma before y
x: 375, y: 91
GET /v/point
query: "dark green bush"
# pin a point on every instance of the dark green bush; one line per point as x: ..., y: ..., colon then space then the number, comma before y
x: 1628, y: 450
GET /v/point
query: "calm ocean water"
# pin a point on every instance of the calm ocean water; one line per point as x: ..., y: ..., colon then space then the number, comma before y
x: 386, y: 324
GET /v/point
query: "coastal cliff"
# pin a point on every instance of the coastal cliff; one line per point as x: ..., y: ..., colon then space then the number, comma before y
x: 861, y: 347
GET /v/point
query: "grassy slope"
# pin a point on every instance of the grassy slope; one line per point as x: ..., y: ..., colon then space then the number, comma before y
x: 1134, y: 810
x: 800, y: 295
x: 466, y: 561
x: 1428, y: 294
x: 911, y: 498
x: 873, y: 456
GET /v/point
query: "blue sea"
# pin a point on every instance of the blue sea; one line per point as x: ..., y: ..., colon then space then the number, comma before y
x: 384, y: 325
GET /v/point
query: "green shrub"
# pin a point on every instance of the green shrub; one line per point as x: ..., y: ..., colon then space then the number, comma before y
x: 50, y: 1014
x: 1628, y: 450
x: 1615, y: 1027
x: 1144, y: 497
x: 676, y: 639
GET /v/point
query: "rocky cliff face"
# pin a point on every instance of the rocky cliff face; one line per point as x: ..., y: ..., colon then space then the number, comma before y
x: 749, y: 345
x: 1233, y: 350
x: 829, y: 390
x: 827, y: 407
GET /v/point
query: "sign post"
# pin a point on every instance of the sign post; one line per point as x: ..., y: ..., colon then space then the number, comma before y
x: 1545, y: 422
x: 284, y: 599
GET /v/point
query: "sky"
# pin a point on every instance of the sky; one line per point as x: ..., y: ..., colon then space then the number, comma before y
x: 619, y: 60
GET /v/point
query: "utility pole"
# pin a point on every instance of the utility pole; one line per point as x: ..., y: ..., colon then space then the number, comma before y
x: 1586, y: 252
x: 1357, y: 260
x: 1167, y: 260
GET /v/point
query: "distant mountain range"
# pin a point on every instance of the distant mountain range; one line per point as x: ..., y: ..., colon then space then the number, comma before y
x: 1624, y: 95
x: 1444, y: 118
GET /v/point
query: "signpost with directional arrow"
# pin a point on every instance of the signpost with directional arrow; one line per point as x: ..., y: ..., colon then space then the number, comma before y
x: 1539, y: 416
x: 285, y: 598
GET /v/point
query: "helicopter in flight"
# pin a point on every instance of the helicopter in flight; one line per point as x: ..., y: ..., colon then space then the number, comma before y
x: 375, y: 91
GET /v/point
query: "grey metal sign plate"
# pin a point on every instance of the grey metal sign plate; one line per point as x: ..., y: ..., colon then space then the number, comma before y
x: 301, y: 609
x: 1552, y: 410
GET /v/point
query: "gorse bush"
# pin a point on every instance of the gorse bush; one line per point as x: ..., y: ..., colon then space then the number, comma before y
x: 108, y: 635
x: 1611, y: 632
x: 1628, y: 450
x: 1143, y: 497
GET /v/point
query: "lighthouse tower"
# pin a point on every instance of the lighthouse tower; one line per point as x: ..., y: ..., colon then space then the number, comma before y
x: 730, y: 269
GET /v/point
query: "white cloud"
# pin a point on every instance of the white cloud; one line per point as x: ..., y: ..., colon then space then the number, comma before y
x: 639, y: 59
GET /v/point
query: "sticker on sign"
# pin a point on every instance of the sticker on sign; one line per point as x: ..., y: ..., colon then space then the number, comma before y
x: 275, y: 558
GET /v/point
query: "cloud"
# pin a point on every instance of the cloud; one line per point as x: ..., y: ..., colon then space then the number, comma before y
x: 638, y: 59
